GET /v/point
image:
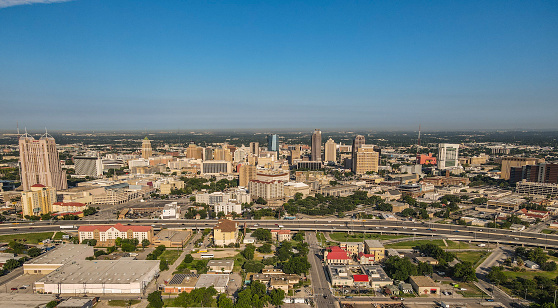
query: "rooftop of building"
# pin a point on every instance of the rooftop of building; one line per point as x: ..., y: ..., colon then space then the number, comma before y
x: 172, y: 235
x: 73, y: 302
x: 226, y: 225
x: 225, y: 263
x: 63, y: 254
x: 423, y: 281
x: 185, y: 280
x: 215, y: 280
x: 373, y: 244
x: 122, y: 271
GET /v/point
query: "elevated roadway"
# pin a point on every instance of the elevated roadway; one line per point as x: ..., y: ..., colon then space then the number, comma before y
x: 418, y: 229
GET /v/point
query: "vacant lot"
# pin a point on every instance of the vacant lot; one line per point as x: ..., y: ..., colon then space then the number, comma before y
x: 30, y: 238
x: 470, y: 256
x: 170, y: 255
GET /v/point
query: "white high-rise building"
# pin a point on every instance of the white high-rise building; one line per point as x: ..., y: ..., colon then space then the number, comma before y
x: 448, y: 155
x: 40, y: 164
x: 89, y: 166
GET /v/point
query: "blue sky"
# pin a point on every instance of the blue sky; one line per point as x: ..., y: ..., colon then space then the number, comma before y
x: 105, y: 64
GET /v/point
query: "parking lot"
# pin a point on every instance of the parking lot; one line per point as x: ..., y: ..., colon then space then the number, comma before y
x: 21, y: 284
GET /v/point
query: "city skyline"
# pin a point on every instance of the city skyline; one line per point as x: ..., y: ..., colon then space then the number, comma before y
x: 102, y: 65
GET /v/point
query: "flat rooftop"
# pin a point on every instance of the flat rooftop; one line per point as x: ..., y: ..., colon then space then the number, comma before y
x: 63, y: 254
x: 173, y: 235
x: 184, y: 280
x: 215, y: 280
x: 373, y: 244
x: 224, y: 263
x: 123, y: 271
x: 24, y: 300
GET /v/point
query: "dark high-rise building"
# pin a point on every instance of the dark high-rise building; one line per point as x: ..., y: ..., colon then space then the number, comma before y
x: 317, y: 145
x: 272, y: 142
x: 541, y: 173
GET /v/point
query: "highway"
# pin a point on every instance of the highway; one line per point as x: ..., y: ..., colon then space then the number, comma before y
x: 458, y: 232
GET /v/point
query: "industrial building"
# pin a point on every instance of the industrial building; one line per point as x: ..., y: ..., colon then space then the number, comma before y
x: 57, y: 257
x: 100, y: 277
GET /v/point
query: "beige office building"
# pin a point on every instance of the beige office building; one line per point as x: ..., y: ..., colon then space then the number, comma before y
x: 38, y: 200
x: 509, y: 162
x: 365, y: 159
x: 246, y: 173
x: 40, y: 164
x: 146, y: 150
x: 255, y: 148
x: 330, y: 151
x: 268, y: 190
x: 194, y: 151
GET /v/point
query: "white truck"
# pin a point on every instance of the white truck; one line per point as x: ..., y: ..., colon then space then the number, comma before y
x: 68, y: 227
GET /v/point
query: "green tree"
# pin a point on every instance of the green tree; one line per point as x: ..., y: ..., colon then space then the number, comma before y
x: 11, y: 264
x: 52, y: 304
x: 16, y: 247
x: 188, y: 259
x: 277, y: 297
x: 224, y: 302
x: 253, y: 266
x: 248, y: 252
x: 34, y: 252
x: 163, y: 265
x: 145, y: 243
x: 155, y: 300
x: 265, y: 248
x: 262, y: 234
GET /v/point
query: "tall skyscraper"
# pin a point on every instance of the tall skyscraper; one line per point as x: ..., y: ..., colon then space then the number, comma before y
x: 255, y: 148
x: 146, y: 150
x: 357, y: 143
x: 448, y: 155
x: 317, y: 145
x: 365, y: 159
x: 40, y: 164
x: 330, y: 151
x: 273, y: 143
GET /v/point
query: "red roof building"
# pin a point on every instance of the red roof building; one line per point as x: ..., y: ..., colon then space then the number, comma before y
x: 336, y: 255
x: 107, y: 234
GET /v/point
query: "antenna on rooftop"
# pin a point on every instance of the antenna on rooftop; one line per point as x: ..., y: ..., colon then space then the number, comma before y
x: 17, y: 125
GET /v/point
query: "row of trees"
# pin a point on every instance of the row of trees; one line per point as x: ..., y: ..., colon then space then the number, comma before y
x: 322, y: 205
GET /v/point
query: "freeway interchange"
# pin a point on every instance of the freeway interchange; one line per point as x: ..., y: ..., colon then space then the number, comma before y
x: 456, y: 232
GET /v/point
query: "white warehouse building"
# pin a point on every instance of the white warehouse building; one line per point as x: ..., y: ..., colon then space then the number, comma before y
x: 100, y: 277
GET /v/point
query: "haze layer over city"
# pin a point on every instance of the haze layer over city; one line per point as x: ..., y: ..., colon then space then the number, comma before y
x: 329, y: 154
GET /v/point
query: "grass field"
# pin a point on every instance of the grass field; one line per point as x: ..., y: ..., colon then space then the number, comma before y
x: 411, y: 244
x: 531, y: 274
x: 170, y: 255
x: 472, y: 290
x: 358, y: 237
x: 470, y: 256
x: 123, y: 303
x: 31, y: 238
